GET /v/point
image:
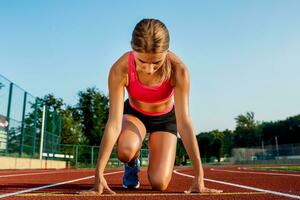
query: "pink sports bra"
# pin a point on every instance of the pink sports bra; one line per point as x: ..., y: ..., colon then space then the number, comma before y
x: 144, y: 93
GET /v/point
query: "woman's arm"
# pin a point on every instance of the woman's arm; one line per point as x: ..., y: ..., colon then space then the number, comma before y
x: 184, y: 123
x: 116, y: 83
x: 181, y: 97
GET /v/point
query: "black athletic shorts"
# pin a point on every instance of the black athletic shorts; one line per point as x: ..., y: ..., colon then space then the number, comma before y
x: 165, y: 122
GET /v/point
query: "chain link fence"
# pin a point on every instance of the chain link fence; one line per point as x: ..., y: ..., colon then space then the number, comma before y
x: 85, y: 156
x: 21, y: 122
x: 21, y: 130
x: 285, y: 154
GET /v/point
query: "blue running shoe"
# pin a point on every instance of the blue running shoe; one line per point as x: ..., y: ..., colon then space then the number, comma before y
x: 130, y: 178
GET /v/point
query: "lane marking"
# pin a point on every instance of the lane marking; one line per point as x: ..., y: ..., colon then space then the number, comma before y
x: 144, y: 194
x: 29, y: 174
x: 8, y: 171
x: 52, y: 185
x: 265, y: 173
x: 243, y: 186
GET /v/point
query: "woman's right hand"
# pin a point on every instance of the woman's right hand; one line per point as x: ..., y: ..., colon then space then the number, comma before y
x: 99, y: 187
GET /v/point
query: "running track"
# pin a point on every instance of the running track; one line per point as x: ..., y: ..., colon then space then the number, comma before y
x: 236, y: 182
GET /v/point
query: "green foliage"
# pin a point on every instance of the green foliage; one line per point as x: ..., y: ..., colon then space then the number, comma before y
x: 245, y: 121
x: 215, y: 144
x: 61, y: 127
x: 53, y: 102
x: 205, y: 141
x: 92, y: 111
x: 71, y: 128
x: 33, y: 124
x: 227, y: 143
x: 287, y: 131
x: 181, y: 155
x: 247, y: 132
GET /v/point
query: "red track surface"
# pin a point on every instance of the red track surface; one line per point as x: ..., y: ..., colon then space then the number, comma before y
x: 284, y: 182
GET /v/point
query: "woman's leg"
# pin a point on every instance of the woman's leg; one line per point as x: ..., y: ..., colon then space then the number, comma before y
x: 162, y: 152
x: 131, y: 138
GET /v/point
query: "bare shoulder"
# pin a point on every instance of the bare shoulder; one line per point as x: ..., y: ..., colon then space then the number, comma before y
x: 180, y: 71
x: 121, y: 65
x: 119, y: 69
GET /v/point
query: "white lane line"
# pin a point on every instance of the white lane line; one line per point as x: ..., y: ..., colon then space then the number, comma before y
x: 29, y: 174
x: 245, y: 172
x: 51, y: 185
x: 244, y: 186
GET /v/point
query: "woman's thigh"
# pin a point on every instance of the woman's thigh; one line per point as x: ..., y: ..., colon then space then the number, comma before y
x: 131, y: 138
x: 162, y: 152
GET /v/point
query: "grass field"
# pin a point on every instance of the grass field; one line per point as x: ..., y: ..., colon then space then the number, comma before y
x: 281, y: 168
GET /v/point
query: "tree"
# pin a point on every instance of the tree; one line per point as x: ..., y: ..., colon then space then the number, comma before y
x: 204, y: 142
x: 57, y: 114
x: 53, y: 102
x: 93, y: 114
x: 287, y: 131
x: 247, y: 133
x: 227, y: 143
x: 71, y: 128
x: 181, y: 154
x: 245, y: 121
x: 217, y: 144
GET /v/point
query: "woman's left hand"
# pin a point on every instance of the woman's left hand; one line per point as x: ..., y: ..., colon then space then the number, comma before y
x: 198, y: 186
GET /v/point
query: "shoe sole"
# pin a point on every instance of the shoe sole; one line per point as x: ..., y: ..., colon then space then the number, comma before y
x: 135, y: 187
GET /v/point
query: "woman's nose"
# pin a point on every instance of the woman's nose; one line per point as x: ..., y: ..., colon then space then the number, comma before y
x: 149, y: 69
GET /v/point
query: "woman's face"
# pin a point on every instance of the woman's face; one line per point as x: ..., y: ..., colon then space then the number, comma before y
x: 149, y: 63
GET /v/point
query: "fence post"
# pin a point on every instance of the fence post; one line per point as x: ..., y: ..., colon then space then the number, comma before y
x: 53, y: 131
x: 22, y: 125
x: 76, y: 156
x: 42, y: 132
x: 141, y: 156
x: 59, y: 127
x: 92, y: 157
x: 8, y: 116
x: 34, y: 128
x: 45, y: 137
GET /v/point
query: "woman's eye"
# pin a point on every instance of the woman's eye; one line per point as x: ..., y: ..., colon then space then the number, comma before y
x: 141, y: 61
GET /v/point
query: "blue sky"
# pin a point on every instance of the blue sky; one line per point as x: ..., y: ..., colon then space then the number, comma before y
x: 242, y: 55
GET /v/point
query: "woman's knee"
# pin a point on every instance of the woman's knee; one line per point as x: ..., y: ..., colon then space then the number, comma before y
x: 126, y: 153
x: 159, y: 181
x: 127, y: 150
x: 130, y: 139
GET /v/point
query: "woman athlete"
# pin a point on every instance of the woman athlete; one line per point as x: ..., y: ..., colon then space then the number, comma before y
x: 154, y: 78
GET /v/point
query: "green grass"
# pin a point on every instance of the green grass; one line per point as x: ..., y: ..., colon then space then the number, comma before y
x: 281, y: 168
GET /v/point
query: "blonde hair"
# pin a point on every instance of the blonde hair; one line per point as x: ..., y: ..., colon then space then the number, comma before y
x: 152, y: 36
